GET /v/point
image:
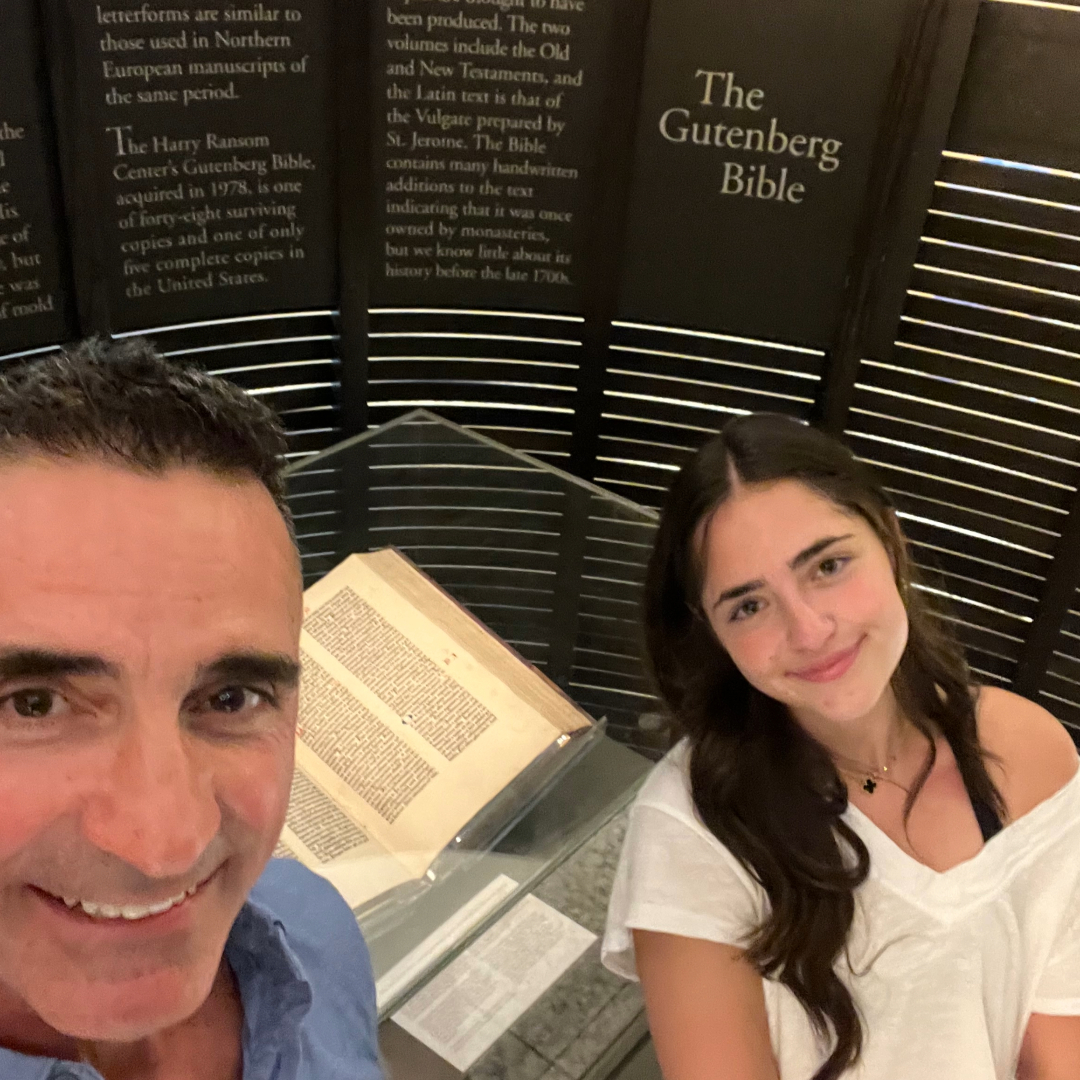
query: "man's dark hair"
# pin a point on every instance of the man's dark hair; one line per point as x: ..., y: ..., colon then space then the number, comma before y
x: 124, y: 402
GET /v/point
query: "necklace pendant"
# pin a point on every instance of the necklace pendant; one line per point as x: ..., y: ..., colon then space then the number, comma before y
x: 870, y: 786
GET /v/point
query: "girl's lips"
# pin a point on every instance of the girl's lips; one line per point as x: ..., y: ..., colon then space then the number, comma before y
x: 831, y: 668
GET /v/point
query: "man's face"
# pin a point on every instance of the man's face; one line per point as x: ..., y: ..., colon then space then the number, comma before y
x: 149, y: 631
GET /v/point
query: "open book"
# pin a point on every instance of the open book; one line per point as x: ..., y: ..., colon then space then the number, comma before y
x: 413, y: 717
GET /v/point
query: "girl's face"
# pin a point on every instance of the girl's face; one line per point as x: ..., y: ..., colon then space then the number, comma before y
x: 801, y: 595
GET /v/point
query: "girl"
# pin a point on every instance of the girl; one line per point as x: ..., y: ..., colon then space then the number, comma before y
x: 855, y: 862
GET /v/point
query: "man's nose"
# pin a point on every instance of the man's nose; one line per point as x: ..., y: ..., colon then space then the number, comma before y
x: 156, y: 809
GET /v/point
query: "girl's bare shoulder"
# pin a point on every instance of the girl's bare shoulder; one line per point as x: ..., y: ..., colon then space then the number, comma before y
x: 1036, y: 755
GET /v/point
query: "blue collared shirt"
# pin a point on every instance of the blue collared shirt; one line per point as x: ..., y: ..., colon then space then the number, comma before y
x: 305, y: 981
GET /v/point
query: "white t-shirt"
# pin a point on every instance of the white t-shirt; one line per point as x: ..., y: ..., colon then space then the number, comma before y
x: 951, y: 965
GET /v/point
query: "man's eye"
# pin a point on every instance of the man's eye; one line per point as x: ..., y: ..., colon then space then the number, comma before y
x: 35, y: 704
x: 234, y: 699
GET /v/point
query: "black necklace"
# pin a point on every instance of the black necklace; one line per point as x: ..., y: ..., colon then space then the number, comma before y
x: 869, y: 776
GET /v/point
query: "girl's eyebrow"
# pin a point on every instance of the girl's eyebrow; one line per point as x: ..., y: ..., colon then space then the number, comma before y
x: 804, y: 556
x: 816, y: 549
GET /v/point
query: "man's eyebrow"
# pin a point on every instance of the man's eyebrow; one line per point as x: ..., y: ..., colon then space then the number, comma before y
x: 253, y: 667
x: 276, y: 668
x: 48, y: 664
x: 803, y: 557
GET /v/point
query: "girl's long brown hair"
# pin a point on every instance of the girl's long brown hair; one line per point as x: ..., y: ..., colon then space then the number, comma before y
x: 761, y: 783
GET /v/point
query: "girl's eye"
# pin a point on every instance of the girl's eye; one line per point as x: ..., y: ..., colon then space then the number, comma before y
x: 745, y: 610
x: 832, y: 566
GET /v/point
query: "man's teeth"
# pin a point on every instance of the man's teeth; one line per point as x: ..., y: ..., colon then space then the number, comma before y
x: 127, y: 911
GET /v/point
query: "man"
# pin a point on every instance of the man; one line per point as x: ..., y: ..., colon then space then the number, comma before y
x: 150, y: 610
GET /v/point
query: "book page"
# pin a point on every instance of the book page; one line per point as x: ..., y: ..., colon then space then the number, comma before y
x: 319, y: 834
x: 401, y: 722
x: 527, y: 682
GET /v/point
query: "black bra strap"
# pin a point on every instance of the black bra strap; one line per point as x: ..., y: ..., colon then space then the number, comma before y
x: 989, y: 822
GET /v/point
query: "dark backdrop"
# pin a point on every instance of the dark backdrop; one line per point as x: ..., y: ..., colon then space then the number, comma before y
x: 595, y: 233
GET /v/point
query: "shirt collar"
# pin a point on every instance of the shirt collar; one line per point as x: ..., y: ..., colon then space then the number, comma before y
x: 274, y: 989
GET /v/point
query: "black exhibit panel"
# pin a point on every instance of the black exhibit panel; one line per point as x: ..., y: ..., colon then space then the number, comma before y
x: 199, y: 151
x: 594, y: 230
x: 1022, y: 86
x: 755, y: 144
x: 34, y: 294
x: 973, y: 421
x: 487, y: 164
x: 485, y: 155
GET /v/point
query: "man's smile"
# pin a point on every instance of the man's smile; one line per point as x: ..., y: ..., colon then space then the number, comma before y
x: 103, y: 911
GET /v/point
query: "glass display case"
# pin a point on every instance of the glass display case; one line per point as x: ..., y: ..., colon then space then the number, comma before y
x: 553, y: 566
